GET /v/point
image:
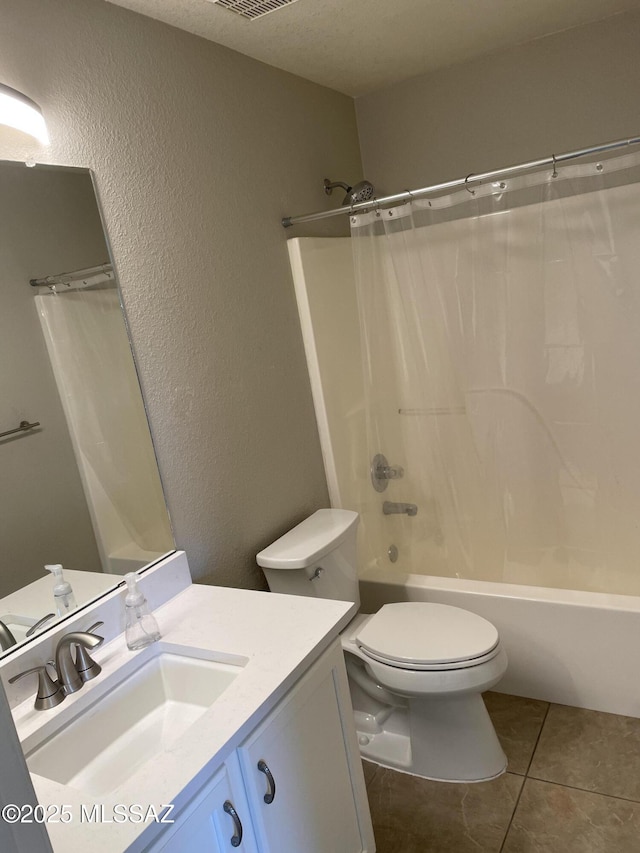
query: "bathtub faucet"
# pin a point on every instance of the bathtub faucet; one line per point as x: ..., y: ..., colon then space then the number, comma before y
x: 391, y: 508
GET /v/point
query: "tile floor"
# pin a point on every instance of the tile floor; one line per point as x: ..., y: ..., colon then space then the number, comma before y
x: 572, y: 786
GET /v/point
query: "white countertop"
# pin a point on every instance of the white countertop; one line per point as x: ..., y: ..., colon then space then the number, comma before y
x: 279, y: 635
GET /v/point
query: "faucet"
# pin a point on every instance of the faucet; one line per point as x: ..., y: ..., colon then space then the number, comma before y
x: 391, y: 508
x: 71, y: 675
x: 6, y: 637
x: 70, y: 678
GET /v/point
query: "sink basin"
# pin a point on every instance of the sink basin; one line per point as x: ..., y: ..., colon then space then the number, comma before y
x: 136, y: 717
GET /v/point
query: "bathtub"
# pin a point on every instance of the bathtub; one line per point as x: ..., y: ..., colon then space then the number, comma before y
x: 574, y: 648
x: 570, y: 647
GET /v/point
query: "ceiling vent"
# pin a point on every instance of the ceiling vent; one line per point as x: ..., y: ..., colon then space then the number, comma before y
x: 252, y: 9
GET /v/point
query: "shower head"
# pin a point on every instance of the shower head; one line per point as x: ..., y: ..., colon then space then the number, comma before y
x: 362, y: 191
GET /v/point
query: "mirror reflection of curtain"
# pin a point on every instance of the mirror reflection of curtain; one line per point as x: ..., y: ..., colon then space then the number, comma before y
x: 501, y: 352
x: 89, y: 350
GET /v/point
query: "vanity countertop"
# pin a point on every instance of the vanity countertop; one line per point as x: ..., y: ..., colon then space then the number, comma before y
x: 279, y: 635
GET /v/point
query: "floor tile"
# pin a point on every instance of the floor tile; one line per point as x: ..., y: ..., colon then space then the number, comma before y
x: 517, y: 723
x: 413, y: 814
x: 553, y: 819
x: 370, y: 770
x: 590, y: 750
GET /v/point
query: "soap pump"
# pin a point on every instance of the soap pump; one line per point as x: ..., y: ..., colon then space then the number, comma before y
x: 63, y: 597
x: 141, y: 628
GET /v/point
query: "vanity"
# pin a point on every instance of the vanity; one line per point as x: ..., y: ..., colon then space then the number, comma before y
x: 235, y: 731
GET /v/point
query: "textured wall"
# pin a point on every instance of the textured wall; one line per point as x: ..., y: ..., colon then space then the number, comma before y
x: 562, y: 92
x: 197, y: 151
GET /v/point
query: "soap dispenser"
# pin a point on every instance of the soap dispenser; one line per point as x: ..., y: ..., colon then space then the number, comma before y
x: 141, y: 628
x: 63, y: 597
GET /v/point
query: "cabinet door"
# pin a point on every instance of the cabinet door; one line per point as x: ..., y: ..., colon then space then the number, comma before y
x: 217, y: 820
x: 299, y: 756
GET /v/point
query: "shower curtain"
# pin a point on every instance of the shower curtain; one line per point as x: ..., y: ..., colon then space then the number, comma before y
x: 500, y: 332
x: 90, y: 353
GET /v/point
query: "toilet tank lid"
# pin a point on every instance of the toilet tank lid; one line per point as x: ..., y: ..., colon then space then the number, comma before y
x: 310, y: 540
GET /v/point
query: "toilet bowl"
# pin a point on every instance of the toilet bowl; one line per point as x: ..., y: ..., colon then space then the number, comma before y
x: 416, y: 670
x: 435, y: 698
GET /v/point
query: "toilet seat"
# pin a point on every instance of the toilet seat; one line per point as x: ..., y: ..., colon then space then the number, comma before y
x: 422, y: 636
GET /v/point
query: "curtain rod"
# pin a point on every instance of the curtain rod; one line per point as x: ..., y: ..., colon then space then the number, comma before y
x: 77, y: 275
x: 408, y: 195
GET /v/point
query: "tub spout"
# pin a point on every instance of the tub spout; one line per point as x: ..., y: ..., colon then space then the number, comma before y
x: 391, y: 508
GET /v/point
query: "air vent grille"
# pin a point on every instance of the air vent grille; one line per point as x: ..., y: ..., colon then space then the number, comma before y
x: 253, y: 9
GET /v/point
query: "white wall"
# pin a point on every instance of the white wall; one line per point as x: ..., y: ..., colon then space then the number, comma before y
x: 49, y: 223
x: 559, y: 93
x: 198, y: 152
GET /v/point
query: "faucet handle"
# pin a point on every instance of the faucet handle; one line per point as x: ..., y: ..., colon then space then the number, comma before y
x: 68, y: 675
x: 39, y: 624
x: 382, y: 472
x: 390, y: 472
x: 86, y: 667
x: 49, y: 694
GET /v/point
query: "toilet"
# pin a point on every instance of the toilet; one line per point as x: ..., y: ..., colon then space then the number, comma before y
x: 416, y: 669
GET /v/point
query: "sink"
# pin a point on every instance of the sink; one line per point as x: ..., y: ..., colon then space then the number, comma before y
x: 139, y: 714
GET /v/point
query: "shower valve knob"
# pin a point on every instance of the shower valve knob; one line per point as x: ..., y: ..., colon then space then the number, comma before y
x: 382, y: 472
x: 389, y: 472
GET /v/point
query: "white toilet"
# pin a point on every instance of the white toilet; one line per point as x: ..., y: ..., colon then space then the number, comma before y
x: 416, y: 670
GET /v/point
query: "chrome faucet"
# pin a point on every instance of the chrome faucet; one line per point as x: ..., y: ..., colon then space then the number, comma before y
x: 72, y: 675
x: 6, y: 637
x: 391, y: 508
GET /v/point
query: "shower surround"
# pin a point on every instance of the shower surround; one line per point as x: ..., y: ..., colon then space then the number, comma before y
x: 527, y: 504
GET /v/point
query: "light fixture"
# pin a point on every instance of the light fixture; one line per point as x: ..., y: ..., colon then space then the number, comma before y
x: 21, y: 113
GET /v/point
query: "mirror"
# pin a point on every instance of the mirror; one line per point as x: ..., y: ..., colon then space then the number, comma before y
x: 80, y: 485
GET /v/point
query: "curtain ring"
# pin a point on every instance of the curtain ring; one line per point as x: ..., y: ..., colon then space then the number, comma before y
x: 554, y: 174
x: 470, y: 175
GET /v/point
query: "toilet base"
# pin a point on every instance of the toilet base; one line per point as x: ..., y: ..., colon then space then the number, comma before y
x: 375, y: 758
x: 453, y: 739
x: 446, y: 740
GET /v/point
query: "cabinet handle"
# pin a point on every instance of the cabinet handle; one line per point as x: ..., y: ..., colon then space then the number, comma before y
x: 271, y: 782
x: 236, y: 840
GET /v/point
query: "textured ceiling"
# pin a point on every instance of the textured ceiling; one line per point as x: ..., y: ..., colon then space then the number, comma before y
x: 358, y: 46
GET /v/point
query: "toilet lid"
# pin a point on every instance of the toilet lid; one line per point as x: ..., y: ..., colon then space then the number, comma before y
x: 418, y: 634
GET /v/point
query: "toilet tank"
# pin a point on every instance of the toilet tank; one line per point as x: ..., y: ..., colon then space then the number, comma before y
x: 317, y: 558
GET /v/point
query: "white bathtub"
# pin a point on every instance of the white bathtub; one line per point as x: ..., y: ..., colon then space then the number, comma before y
x: 574, y: 648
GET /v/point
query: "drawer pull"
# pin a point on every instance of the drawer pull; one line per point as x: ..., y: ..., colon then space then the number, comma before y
x: 271, y: 782
x: 236, y: 840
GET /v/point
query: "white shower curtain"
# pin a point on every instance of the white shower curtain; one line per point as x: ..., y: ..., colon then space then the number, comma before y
x: 89, y: 350
x: 501, y: 350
